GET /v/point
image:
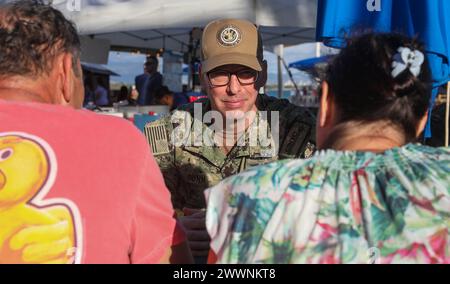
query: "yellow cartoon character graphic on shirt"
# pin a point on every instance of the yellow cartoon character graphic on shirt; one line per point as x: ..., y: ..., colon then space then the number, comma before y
x: 32, y: 229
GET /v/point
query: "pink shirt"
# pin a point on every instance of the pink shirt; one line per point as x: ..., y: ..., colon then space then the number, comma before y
x: 97, y: 168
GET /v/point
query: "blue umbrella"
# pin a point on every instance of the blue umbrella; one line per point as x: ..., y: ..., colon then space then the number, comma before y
x: 427, y: 19
x: 310, y: 63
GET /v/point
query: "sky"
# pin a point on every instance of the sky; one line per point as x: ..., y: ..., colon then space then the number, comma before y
x: 130, y: 65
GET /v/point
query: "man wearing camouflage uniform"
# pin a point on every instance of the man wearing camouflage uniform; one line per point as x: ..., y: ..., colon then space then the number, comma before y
x: 187, y: 143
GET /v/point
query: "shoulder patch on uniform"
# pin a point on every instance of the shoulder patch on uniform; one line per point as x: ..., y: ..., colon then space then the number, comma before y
x: 157, y: 137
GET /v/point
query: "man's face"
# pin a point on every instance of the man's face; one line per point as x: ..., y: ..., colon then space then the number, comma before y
x: 151, y: 66
x: 238, y: 96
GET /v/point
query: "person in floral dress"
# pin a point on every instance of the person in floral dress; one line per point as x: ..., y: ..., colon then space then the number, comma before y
x: 370, y: 195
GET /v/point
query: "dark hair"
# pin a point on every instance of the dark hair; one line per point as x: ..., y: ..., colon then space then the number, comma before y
x: 32, y: 34
x: 361, y: 82
x: 123, y: 94
x: 151, y: 58
x: 161, y: 92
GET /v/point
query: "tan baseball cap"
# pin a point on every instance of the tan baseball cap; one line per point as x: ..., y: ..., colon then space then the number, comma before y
x: 231, y: 41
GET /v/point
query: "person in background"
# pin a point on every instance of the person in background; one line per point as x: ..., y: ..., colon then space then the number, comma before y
x: 123, y: 94
x: 164, y: 96
x: 132, y: 100
x: 101, y: 93
x: 70, y: 192
x: 124, y: 97
x: 140, y: 83
x: 370, y: 195
x: 149, y: 82
x: 95, y: 91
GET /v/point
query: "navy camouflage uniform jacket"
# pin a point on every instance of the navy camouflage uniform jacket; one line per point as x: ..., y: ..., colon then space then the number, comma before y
x: 190, y: 168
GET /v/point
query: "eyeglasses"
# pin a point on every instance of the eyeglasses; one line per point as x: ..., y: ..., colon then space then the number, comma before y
x: 221, y: 78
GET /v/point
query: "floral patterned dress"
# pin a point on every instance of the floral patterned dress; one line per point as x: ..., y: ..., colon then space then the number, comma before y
x: 338, y: 207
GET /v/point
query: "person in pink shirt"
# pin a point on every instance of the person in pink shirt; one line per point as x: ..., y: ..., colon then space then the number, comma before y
x: 75, y: 187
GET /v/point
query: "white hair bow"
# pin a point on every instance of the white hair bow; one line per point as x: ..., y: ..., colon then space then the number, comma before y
x: 406, y: 58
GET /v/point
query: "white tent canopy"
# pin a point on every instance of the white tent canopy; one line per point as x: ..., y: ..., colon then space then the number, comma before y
x: 156, y: 24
